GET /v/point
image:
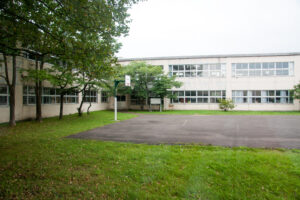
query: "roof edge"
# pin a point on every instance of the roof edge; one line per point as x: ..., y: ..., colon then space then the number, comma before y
x: 209, y: 56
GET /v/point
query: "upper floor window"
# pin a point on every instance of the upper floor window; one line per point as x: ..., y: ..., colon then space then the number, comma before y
x: 263, y: 69
x: 198, y: 70
x: 4, y: 95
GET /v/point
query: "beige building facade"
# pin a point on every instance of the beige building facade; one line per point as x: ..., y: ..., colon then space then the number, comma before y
x: 252, y: 81
x: 25, y: 97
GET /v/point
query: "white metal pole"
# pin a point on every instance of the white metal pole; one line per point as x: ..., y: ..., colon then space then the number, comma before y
x: 116, y: 109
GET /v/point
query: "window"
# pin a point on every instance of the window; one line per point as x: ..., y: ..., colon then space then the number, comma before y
x: 4, y: 95
x: 1, y: 67
x: 198, y: 70
x: 71, y: 97
x: 263, y: 69
x: 103, y: 97
x: 90, y: 96
x: 121, y: 98
x: 134, y: 100
x: 202, y: 96
x: 262, y: 96
x: 28, y: 95
x: 49, y: 96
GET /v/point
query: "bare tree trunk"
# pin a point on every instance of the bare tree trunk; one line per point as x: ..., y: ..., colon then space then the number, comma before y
x: 82, y: 99
x: 12, y: 88
x: 12, y: 94
x: 61, y: 108
x: 142, y: 104
x: 38, y: 91
x: 88, y: 110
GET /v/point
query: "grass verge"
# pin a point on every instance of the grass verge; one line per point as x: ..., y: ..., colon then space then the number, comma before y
x: 37, y: 162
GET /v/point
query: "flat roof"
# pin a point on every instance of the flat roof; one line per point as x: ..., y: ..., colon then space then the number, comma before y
x: 209, y: 56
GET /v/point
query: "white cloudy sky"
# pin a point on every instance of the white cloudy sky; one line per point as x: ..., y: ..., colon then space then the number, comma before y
x: 201, y: 27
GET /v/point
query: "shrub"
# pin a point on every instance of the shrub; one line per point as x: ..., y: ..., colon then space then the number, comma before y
x: 296, y: 91
x: 226, y: 104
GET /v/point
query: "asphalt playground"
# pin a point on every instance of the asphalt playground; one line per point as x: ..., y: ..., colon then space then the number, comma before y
x: 266, y: 131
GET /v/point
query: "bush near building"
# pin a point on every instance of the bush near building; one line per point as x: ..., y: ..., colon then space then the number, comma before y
x: 226, y: 104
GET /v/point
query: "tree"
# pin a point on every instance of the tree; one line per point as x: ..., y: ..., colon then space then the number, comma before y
x: 162, y: 85
x: 226, y: 104
x: 147, y: 81
x: 9, y: 38
x: 53, y: 28
x: 296, y: 91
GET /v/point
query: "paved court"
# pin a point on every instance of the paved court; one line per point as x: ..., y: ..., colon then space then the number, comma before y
x: 281, y: 131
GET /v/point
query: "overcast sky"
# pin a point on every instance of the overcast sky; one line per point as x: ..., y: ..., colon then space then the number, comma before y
x: 203, y: 27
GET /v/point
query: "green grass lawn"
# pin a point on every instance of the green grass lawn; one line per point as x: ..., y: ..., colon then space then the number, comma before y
x: 218, y: 112
x: 37, y: 162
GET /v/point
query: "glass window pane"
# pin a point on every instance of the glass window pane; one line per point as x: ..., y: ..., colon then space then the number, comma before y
x: 3, y: 100
x: 200, y: 67
x: 212, y: 93
x: 187, y: 74
x: 3, y: 90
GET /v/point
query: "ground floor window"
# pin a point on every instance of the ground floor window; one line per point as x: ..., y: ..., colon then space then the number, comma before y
x: 121, y: 98
x: 4, y: 95
x: 104, y: 97
x: 262, y: 96
x: 198, y: 96
x: 29, y: 95
x: 134, y: 100
x: 49, y: 96
x: 71, y: 97
x: 90, y: 96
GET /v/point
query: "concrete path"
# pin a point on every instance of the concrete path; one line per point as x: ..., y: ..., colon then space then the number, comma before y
x: 281, y: 131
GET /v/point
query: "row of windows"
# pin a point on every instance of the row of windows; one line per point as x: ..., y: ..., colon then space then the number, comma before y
x: 199, y: 70
x: 262, y: 96
x: 238, y: 69
x: 238, y: 96
x: 263, y: 69
x: 51, y: 96
x: 200, y: 96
